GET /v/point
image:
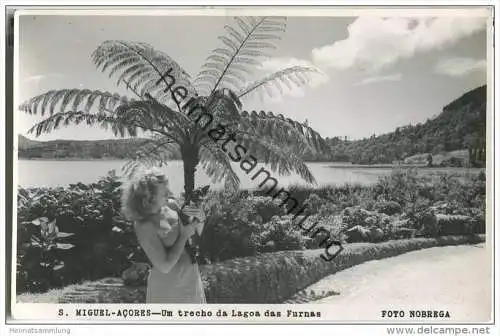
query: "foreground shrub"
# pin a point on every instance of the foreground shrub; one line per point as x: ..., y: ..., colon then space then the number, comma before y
x: 268, y: 278
x: 241, y: 224
x: 388, y: 207
x: 231, y: 229
x: 265, y: 207
x: 103, y: 243
x: 354, y: 216
x: 455, y: 224
x: 281, y: 234
x: 41, y: 250
x: 136, y: 274
x: 427, y: 223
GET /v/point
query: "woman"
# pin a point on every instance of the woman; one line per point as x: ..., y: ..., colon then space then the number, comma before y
x: 174, y: 278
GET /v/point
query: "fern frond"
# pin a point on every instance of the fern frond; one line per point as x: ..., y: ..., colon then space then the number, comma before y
x: 283, y: 160
x: 217, y: 165
x: 142, y: 67
x: 223, y: 106
x: 280, y: 137
x: 283, y: 129
x: 298, y: 75
x: 77, y: 99
x: 155, y: 152
x: 244, y: 44
x: 106, y: 121
x: 158, y: 116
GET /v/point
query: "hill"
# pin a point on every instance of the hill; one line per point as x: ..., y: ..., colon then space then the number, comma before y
x: 24, y: 143
x: 461, y: 126
x: 72, y: 149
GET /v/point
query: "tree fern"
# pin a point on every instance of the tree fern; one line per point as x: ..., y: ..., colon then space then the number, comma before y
x: 144, y: 71
x: 243, y: 47
x: 142, y: 68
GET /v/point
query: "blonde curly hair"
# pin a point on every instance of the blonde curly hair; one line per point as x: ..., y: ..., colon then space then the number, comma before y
x: 141, y: 192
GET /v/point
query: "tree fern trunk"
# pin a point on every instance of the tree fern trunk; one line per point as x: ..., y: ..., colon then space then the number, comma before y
x: 190, y: 160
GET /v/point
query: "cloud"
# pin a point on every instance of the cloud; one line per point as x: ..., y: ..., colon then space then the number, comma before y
x: 275, y: 64
x: 38, y: 78
x: 374, y: 42
x: 459, y: 66
x: 34, y: 79
x: 376, y: 79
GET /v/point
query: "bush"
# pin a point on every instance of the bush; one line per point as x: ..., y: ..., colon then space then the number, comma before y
x: 323, y: 207
x: 266, y: 207
x: 354, y: 216
x: 452, y: 162
x: 40, y: 255
x: 232, y: 227
x: 281, y: 234
x: 357, y: 234
x: 455, y: 225
x: 240, y: 224
x: 268, y: 278
x: 104, y: 243
x: 136, y: 274
x: 314, y: 203
x: 389, y: 207
x: 402, y: 187
x: 427, y: 223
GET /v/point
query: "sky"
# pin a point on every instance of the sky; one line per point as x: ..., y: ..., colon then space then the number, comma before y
x: 379, y: 73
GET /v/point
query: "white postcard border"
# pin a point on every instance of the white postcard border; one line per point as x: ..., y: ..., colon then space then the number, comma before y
x: 49, y: 307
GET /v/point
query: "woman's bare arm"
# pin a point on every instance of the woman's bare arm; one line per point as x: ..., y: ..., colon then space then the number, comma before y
x: 162, y: 258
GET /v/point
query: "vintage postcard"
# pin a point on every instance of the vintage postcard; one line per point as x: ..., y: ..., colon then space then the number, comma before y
x: 253, y: 165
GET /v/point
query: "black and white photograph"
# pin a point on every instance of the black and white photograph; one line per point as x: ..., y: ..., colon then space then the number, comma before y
x: 254, y: 164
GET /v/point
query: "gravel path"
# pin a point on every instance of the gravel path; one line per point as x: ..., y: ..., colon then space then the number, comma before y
x: 456, y: 279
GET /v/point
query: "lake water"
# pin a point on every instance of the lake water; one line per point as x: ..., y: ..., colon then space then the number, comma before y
x: 61, y: 173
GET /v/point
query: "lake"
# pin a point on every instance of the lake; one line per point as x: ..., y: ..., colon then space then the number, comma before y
x: 36, y: 173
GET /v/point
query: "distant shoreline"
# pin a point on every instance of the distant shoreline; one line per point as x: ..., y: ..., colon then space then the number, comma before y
x: 385, y: 166
x: 331, y: 164
x: 334, y: 165
x: 70, y: 159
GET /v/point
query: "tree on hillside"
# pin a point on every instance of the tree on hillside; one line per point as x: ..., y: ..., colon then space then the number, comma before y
x: 156, y: 110
x: 429, y: 160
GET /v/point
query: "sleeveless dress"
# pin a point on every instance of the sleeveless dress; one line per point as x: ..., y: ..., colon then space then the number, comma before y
x: 183, y: 283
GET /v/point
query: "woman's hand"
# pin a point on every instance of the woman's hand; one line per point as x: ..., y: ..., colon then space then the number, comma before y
x: 186, y: 231
x: 196, y: 216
